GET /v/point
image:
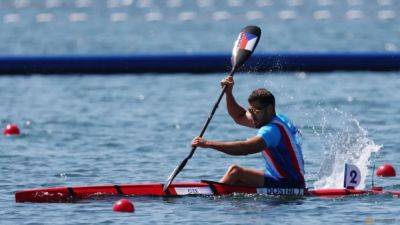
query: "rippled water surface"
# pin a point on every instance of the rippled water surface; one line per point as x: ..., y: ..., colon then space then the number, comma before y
x: 190, y: 26
x: 86, y: 130
x: 82, y: 130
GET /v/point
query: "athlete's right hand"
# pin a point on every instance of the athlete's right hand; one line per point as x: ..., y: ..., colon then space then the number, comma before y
x: 229, y: 82
x: 199, y: 142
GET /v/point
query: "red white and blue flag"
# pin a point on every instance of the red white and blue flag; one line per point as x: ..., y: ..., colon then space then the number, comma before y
x: 246, y: 41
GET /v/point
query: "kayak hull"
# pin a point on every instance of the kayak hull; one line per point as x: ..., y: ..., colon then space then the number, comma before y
x: 206, y: 188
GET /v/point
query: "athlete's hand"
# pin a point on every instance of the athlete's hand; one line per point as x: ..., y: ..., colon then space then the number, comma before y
x: 199, y: 142
x: 229, y: 82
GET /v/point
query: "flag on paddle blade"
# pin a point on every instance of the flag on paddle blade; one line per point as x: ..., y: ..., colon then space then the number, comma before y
x: 246, y: 41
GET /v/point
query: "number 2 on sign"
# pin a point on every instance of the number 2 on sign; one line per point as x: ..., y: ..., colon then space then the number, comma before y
x: 353, y: 175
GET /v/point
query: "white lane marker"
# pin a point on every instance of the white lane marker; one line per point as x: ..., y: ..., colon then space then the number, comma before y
x: 44, y: 17
x: 153, y: 16
x: 77, y: 17
x: 264, y: 3
x: 83, y: 3
x: 174, y: 3
x: 221, y: 15
x: 118, y: 17
x: 293, y: 3
x: 254, y: 15
x: 186, y: 16
x: 325, y: 2
x: 235, y: 3
x: 385, y: 2
x: 11, y: 18
x: 354, y: 14
x: 205, y: 3
x: 386, y: 14
x: 322, y: 15
x: 287, y: 14
x: 53, y: 3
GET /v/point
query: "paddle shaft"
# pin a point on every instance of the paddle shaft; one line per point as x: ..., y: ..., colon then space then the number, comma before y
x: 242, y: 50
x: 211, y: 115
x: 183, y: 163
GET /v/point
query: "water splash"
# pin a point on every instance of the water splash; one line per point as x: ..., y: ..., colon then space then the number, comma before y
x: 347, y: 145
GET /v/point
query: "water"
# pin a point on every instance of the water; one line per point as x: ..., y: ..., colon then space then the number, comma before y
x: 82, y: 130
x: 126, y: 27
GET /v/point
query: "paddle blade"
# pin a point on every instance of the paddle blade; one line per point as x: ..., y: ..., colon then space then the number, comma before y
x: 244, y: 45
x: 174, y: 173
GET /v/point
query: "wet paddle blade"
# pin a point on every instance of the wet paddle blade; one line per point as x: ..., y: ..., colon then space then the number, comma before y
x: 244, y: 45
x: 174, y: 173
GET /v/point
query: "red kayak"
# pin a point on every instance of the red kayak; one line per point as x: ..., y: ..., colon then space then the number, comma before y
x: 206, y: 188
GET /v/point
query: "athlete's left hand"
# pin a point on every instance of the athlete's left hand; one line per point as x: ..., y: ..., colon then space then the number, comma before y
x: 199, y: 142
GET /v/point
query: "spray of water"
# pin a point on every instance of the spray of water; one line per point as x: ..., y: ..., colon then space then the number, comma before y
x: 350, y: 144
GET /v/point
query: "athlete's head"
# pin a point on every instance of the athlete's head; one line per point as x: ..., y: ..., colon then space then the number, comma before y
x: 261, y: 106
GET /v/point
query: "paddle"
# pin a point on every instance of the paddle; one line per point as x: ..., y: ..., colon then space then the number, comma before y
x: 242, y: 50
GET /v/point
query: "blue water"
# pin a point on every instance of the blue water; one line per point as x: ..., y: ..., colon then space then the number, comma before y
x: 126, y: 27
x: 83, y: 130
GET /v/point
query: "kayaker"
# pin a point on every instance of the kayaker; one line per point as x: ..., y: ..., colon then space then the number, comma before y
x: 277, y: 139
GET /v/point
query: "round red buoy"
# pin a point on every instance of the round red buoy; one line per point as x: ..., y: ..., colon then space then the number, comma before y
x: 386, y: 170
x: 11, y: 129
x: 123, y: 205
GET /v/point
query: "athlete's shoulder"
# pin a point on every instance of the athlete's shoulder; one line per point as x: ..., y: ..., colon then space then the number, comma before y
x: 289, y: 123
x: 271, y: 134
x: 268, y: 128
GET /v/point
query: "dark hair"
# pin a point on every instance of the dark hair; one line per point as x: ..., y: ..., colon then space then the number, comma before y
x: 263, y: 96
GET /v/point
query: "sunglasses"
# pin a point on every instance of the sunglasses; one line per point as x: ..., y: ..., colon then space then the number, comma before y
x: 254, y: 110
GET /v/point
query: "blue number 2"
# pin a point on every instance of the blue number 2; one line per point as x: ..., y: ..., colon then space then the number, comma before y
x: 353, y: 175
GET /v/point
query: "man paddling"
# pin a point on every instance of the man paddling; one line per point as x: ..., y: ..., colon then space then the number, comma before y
x: 277, y: 139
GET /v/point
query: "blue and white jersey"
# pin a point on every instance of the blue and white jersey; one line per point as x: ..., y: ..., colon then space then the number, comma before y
x: 283, y: 155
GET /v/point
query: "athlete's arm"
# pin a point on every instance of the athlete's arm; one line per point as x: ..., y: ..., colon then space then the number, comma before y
x: 250, y: 146
x: 237, y: 112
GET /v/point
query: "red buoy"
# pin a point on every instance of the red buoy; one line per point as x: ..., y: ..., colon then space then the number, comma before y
x: 11, y: 129
x: 386, y: 170
x: 123, y: 205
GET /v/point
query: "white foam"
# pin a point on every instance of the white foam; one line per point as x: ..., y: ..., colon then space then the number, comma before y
x: 349, y: 145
